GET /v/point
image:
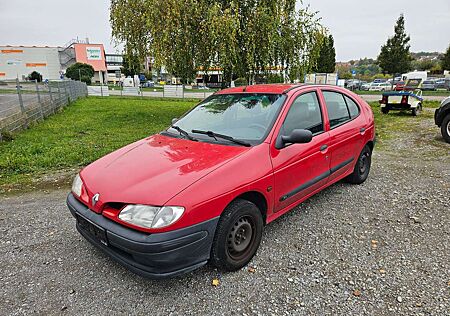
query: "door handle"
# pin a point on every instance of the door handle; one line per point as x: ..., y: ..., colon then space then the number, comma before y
x: 323, y: 148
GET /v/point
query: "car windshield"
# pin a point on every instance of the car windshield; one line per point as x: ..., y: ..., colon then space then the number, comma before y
x: 246, y: 117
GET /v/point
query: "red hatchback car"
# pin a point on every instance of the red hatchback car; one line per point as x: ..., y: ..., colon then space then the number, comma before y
x: 203, y: 189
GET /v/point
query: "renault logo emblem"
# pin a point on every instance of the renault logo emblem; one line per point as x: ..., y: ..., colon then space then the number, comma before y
x: 95, y: 199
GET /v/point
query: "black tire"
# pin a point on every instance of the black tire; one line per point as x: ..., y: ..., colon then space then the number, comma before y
x: 445, y: 128
x: 384, y: 110
x: 416, y: 110
x: 238, y: 236
x: 362, y: 167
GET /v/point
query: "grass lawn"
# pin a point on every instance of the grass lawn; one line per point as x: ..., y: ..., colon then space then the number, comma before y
x: 54, y: 150
x: 80, y: 134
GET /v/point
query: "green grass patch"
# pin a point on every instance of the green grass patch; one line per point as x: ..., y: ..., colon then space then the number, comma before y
x: 81, y: 133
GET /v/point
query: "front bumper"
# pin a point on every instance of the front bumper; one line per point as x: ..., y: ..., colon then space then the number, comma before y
x: 154, y: 256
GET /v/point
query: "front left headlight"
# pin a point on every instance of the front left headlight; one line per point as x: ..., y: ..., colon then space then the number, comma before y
x: 151, y: 216
x: 77, y: 185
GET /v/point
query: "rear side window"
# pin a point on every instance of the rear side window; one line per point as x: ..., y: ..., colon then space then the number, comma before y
x: 337, y: 108
x: 304, y: 113
x: 340, y: 108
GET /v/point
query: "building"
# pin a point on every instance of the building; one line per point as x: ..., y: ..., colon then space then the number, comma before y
x: 114, y: 63
x: 51, y: 62
x: 20, y: 61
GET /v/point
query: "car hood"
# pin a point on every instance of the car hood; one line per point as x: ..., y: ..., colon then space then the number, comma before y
x: 153, y: 170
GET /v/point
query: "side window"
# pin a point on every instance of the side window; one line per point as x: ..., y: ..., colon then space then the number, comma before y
x: 337, y: 108
x: 304, y: 113
x: 352, y: 107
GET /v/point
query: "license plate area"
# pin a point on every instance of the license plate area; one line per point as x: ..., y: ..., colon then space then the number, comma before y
x: 92, y: 229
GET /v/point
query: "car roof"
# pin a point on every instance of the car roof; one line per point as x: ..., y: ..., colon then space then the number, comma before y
x: 278, y: 88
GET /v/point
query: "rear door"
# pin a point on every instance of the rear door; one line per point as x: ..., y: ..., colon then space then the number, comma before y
x: 346, y: 130
x: 300, y: 169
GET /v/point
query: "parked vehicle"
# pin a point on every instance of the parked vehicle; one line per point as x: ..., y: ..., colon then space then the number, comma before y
x: 385, y: 86
x: 442, y: 84
x: 203, y: 189
x: 428, y: 85
x: 402, y: 100
x: 354, y: 84
x: 366, y: 86
x: 379, y: 80
x: 442, y: 118
x: 148, y: 84
x: 399, y: 86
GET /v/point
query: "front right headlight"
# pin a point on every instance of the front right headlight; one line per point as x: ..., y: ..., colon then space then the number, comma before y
x: 77, y: 185
x: 147, y: 216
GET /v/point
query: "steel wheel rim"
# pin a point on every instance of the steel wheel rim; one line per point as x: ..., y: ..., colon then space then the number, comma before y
x: 448, y: 128
x: 240, y: 238
x: 363, y: 163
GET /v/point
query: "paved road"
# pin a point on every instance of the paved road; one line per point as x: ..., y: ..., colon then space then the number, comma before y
x: 381, y: 248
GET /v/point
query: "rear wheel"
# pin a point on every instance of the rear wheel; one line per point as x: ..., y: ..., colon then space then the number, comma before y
x: 416, y: 110
x: 362, y: 167
x: 238, y: 235
x: 445, y: 128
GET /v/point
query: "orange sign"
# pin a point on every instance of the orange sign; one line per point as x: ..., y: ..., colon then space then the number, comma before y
x: 11, y: 51
x: 2, y: 74
x: 36, y: 64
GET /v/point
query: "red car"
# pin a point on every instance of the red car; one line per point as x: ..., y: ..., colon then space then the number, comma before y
x: 203, y: 189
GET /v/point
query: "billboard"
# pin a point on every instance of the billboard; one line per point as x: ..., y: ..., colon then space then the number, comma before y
x: 93, y: 53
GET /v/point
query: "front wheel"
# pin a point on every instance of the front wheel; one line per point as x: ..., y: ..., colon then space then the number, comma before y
x: 362, y: 167
x: 238, y: 235
x: 445, y: 128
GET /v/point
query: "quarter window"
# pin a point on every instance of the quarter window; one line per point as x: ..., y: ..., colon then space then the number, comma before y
x: 352, y: 107
x: 304, y: 114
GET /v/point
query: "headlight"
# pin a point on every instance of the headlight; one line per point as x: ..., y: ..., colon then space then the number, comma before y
x: 151, y: 216
x: 76, y: 185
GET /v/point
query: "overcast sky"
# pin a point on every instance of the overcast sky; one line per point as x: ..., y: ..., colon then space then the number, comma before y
x: 359, y: 27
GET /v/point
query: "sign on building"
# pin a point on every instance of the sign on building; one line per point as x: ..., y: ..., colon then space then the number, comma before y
x: 94, y: 53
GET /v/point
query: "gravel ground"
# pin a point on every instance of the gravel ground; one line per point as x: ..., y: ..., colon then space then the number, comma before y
x: 381, y: 248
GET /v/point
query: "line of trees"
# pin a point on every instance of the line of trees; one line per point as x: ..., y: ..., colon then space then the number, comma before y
x: 243, y: 38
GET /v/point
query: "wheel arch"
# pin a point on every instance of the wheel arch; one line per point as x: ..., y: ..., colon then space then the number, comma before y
x: 256, y: 198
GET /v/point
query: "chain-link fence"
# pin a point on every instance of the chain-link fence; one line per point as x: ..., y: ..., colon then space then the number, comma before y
x: 22, y: 103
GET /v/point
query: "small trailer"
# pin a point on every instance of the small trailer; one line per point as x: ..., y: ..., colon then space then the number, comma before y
x: 402, y: 100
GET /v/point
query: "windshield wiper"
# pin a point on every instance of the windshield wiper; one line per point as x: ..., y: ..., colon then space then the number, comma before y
x: 216, y: 135
x: 183, y: 132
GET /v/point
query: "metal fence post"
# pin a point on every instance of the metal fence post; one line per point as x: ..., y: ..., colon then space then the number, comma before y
x: 22, y: 108
x: 59, y: 94
x: 39, y: 99
x: 52, y: 102
x: 182, y: 91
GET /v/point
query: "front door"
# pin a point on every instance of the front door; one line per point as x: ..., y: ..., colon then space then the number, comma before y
x: 300, y: 169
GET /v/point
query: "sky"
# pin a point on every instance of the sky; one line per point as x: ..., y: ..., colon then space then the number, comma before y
x: 359, y: 27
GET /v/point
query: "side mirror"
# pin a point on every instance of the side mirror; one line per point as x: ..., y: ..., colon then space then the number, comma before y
x: 297, y: 136
x: 174, y: 120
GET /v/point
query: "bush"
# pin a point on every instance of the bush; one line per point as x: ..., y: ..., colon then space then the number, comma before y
x: 77, y: 70
x: 240, y: 82
x: 35, y: 76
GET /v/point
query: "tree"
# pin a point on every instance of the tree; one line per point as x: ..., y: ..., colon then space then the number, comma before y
x: 326, y: 63
x: 35, y: 76
x: 395, y: 57
x: 445, y: 61
x: 242, y: 38
x: 81, y: 72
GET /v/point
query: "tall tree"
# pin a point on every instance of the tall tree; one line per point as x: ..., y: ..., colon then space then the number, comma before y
x: 445, y: 61
x: 326, y: 63
x: 395, y: 57
x: 242, y: 37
